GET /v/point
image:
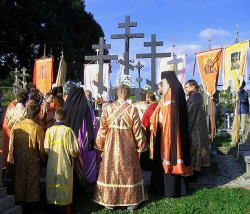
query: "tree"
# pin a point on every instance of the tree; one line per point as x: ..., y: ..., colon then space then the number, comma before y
x: 26, y: 25
x: 227, y: 99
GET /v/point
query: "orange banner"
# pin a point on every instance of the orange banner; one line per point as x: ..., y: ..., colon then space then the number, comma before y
x: 209, y: 63
x: 43, y: 74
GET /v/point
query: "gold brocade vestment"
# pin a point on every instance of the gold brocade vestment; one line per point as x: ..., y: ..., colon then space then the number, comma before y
x: 61, y: 145
x: 28, y: 153
x: 120, y: 137
x: 142, y: 107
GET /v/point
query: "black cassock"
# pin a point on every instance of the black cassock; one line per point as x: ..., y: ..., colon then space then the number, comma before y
x: 198, y: 134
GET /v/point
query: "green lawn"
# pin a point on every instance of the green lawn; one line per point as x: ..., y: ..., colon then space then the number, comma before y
x: 214, y: 200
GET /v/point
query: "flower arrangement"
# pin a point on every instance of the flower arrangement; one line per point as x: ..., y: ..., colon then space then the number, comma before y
x: 127, y: 80
x: 99, y: 99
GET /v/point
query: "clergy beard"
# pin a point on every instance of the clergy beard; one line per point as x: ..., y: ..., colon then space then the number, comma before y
x: 165, y: 87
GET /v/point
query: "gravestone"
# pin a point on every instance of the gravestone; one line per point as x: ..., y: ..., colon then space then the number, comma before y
x: 153, y: 55
x: 16, y: 84
x: 24, y: 75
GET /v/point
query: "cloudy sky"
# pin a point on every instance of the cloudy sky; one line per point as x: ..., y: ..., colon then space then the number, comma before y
x: 189, y: 22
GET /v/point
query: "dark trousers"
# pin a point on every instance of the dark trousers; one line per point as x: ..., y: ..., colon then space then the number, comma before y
x: 30, y: 207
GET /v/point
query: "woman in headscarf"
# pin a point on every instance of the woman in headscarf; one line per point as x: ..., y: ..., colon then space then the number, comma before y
x: 170, y: 143
x: 82, y: 120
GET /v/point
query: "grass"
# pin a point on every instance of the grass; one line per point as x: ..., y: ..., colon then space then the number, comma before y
x: 215, y: 200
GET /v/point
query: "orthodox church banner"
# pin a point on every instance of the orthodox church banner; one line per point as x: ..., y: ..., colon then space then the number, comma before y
x: 176, y: 63
x: 61, y: 75
x: 209, y: 64
x: 91, y: 74
x: 43, y: 74
x: 234, y: 64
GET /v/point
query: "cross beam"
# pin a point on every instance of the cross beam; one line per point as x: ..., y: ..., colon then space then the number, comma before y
x: 153, y: 55
x: 101, y: 57
x: 127, y: 36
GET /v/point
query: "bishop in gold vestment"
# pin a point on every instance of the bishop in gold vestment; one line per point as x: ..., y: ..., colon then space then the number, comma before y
x: 120, y: 137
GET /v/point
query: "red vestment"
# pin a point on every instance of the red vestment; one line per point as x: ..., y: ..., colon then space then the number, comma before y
x: 146, y: 120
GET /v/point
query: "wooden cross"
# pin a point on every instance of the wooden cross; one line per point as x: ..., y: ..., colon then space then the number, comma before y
x: 24, y: 75
x: 127, y: 36
x: 153, y: 55
x: 101, y: 57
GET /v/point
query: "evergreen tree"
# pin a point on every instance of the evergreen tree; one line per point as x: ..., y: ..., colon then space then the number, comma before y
x: 26, y: 25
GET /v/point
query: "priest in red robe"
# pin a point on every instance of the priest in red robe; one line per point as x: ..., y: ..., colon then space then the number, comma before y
x: 146, y: 162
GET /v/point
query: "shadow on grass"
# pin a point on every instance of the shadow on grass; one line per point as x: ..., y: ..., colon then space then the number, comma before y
x: 203, y: 200
x: 83, y: 203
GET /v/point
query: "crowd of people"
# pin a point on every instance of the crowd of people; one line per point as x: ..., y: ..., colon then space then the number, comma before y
x: 169, y: 138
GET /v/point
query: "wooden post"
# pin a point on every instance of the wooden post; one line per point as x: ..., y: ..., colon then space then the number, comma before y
x: 236, y: 115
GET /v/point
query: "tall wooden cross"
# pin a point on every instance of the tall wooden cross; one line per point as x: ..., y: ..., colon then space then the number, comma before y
x: 127, y: 36
x: 24, y: 75
x: 101, y: 57
x: 153, y: 55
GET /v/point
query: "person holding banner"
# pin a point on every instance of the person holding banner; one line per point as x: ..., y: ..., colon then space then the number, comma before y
x: 198, y: 133
x: 243, y: 112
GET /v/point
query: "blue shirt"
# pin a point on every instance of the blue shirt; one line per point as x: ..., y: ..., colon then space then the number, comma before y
x: 243, y: 103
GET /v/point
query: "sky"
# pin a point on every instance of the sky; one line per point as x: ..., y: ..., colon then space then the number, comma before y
x: 189, y: 22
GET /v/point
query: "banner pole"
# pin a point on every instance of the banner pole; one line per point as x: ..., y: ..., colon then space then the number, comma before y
x: 236, y: 114
x: 212, y: 118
